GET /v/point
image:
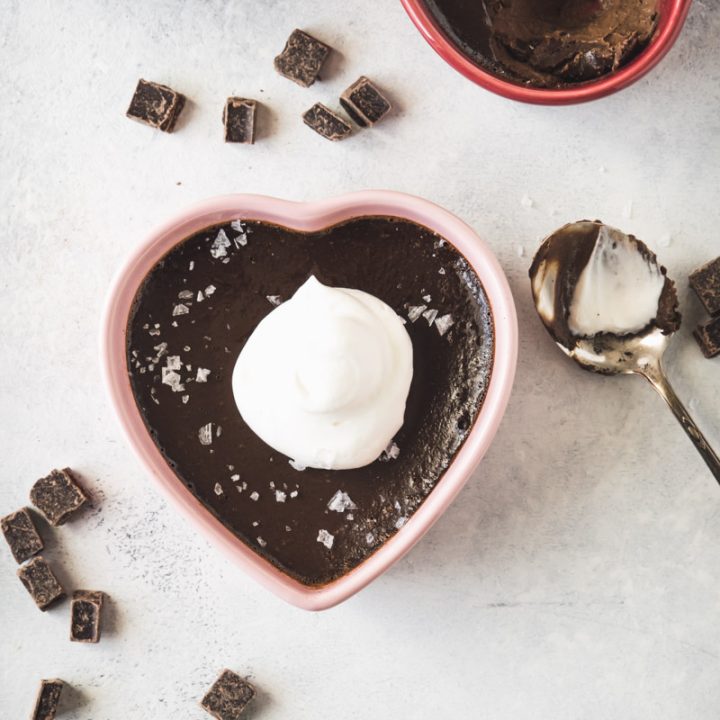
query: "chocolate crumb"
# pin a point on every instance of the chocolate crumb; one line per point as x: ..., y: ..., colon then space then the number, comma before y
x: 301, y: 58
x: 48, y: 698
x: 708, y: 338
x: 228, y: 697
x: 21, y: 535
x: 57, y: 496
x: 705, y: 281
x: 326, y: 123
x: 239, y: 120
x: 85, y: 613
x: 156, y: 105
x: 364, y: 102
x: 40, y: 582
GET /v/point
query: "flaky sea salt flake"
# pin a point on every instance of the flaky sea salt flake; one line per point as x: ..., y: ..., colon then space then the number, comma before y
x: 415, y: 312
x: 280, y: 496
x: 180, y: 309
x: 205, y: 434
x: 218, y: 489
x: 202, y: 375
x: 430, y: 316
x: 209, y: 290
x: 255, y: 495
x: 326, y: 539
x: 340, y: 502
x: 274, y: 299
x: 444, y: 323
x: 220, y: 244
x: 173, y: 362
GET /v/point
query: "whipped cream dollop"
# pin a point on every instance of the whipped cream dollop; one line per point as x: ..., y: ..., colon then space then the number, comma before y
x: 618, y: 290
x: 324, y: 377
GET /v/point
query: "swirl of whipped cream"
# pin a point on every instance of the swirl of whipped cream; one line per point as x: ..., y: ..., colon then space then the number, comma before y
x: 324, y: 377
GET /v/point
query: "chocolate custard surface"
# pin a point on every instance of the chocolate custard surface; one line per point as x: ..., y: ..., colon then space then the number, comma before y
x: 548, y: 43
x: 193, y: 314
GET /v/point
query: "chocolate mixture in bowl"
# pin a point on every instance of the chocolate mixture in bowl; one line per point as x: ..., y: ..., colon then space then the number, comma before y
x: 548, y: 43
x: 195, y: 311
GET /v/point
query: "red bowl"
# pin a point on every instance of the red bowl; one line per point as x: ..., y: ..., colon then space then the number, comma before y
x: 672, y: 17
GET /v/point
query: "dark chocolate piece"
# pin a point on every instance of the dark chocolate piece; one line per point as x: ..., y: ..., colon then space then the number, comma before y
x: 156, y: 105
x: 708, y: 337
x: 21, y: 535
x: 239, y: 120
x: 40, y: 582
x: 301, y: 58
x: 58, y: 496
x: 705, y: 281
x: 48, y: 699
x: 85, y: 614
x: 228, y: 697
x: 364, y: 102
x: 326, y: 123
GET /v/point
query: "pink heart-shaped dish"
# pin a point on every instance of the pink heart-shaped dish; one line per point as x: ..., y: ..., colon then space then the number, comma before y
x: 311, y: 217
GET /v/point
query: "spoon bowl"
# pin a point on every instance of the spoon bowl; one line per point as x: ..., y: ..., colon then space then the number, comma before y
x: 555, y: 276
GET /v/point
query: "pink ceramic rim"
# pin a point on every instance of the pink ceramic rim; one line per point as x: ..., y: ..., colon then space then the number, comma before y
x: 311, y: 216
x: 671, y: 22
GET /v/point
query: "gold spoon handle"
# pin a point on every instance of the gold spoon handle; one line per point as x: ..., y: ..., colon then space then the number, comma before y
x: 656, y: 375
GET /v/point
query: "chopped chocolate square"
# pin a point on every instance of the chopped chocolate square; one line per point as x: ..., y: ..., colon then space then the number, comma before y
x: 40, y: 582
x: 364, y: 102
x: 326, y: 123
x: 705, y: 281
x: 302, y: 58
x: 228, y: 697
x: 239, y: 120
x: 156, y: 105
x: 85, y: 616
x: 708, y: 337
x: 21, y: 535
x: 57, y: 496
x: 48, y: 699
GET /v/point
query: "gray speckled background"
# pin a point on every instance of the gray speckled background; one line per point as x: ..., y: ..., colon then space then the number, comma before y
x: 576, y: 577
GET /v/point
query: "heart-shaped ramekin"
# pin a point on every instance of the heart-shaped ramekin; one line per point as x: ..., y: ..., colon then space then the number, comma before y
x: 311, y: 216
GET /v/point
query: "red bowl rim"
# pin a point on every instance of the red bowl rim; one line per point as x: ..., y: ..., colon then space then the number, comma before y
x: 671, y: 23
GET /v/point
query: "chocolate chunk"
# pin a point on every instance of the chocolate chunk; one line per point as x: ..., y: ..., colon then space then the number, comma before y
x: 85, y: 613
x: 156, y: 105
x: 48, y: 699
x: 40, y: 582
x: 326, y: 123
x: 705, y: 281
x: 302, y: 58
x: 228, y: 697
x: 57, y: 496
x: 708, y: 337
x: 364, y: 102
x: 21, y: 535
x: 239, y: 120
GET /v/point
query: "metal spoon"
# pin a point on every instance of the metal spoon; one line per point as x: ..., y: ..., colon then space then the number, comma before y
x: 609, y: 354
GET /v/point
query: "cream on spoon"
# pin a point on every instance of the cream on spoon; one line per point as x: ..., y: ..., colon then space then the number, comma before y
x: 608, y: 304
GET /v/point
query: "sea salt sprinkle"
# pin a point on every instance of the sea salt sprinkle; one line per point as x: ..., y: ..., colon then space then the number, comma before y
x: 415, y: 312
x: 205, y: 434
x: 274, y: 299
x: 340, y: 502
x: 254, y: 495
x: 219, y: 247
x: 218, y: 489
x: 326, y: 539
x: 202, y: 375
x: 261, y: 542
x: 391, y: 452
x: 430, y: 316
x: 210, y: 290
x: 280, y: 496
x: 444, y: 323
x: 180, y: 309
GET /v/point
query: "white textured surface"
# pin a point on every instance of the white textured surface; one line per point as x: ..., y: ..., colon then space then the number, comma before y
x: 577, y: 576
